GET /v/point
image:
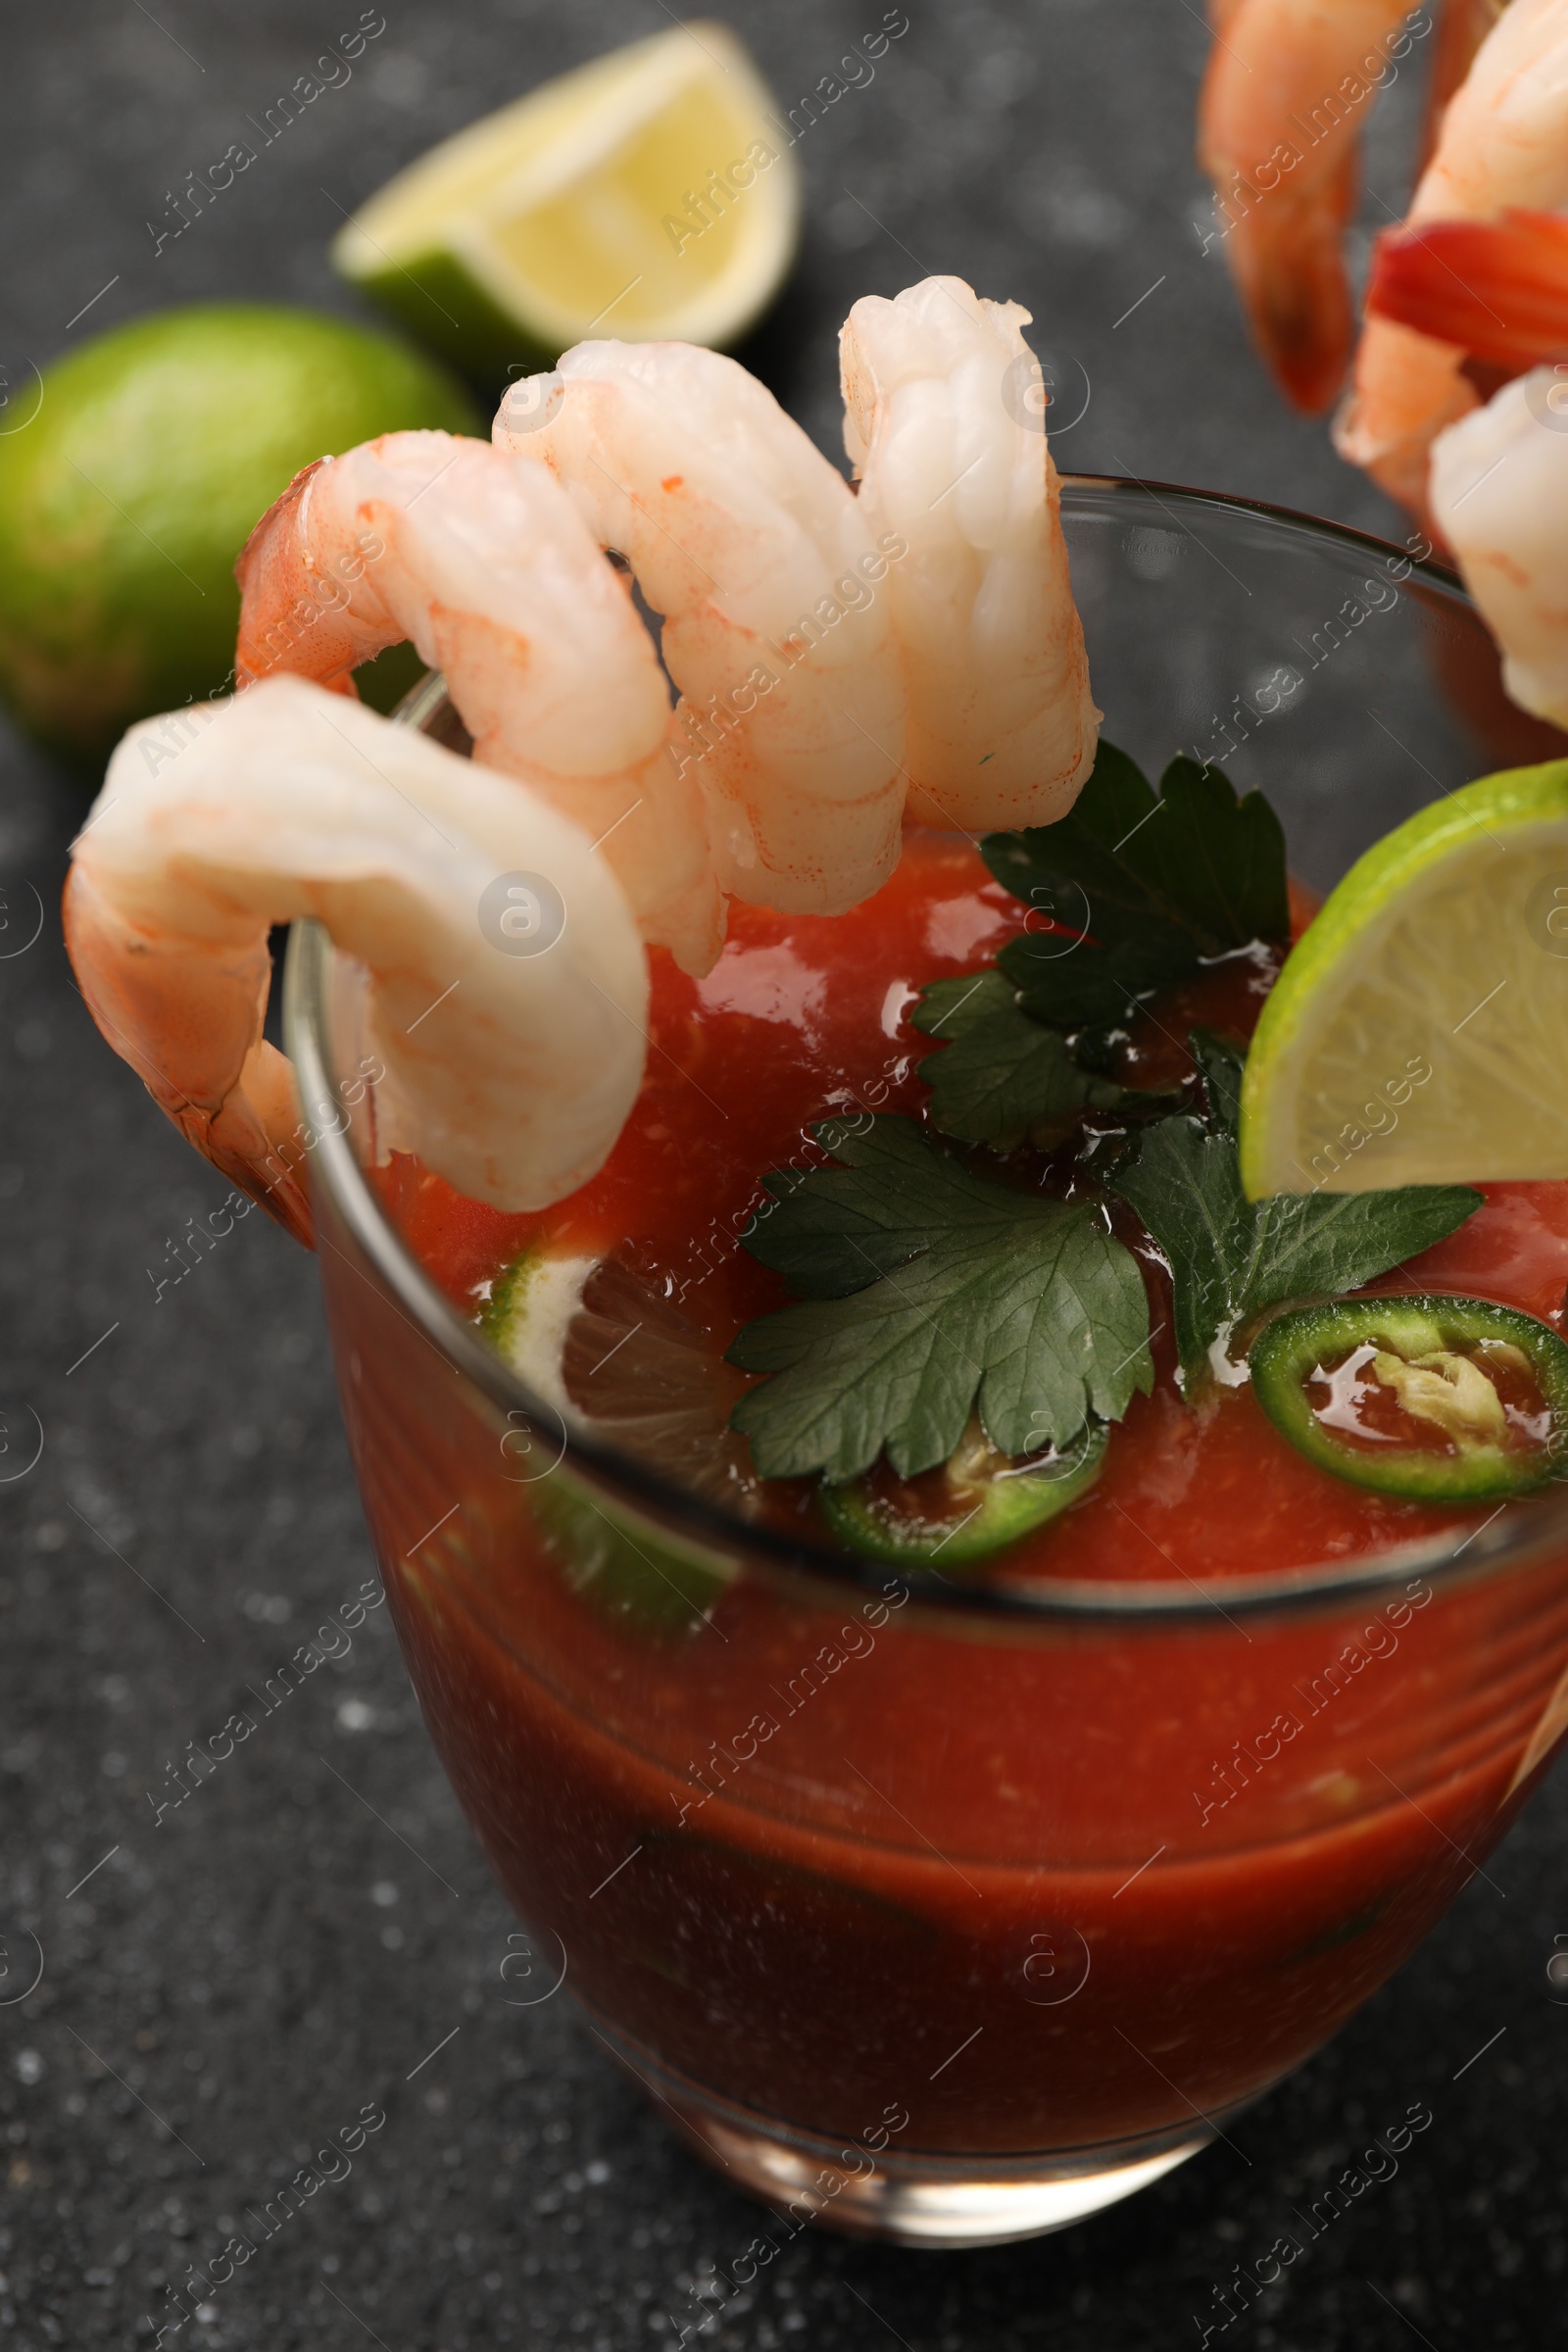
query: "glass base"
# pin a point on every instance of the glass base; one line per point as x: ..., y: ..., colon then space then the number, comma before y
x: 912, y: 2199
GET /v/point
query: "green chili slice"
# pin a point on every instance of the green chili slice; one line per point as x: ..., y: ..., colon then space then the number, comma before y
x: 975, y: 1503
x: 1441, y: 1400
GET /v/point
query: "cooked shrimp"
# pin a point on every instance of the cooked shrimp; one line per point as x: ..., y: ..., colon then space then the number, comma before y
x: 1462, y: 26
x: 754, y: 550
x: 510, y: 1073
x: 1504, y: 143
x: 486, y: 565
x: 1496, y: 288
x: 1499, y: 496
x: 953, y: 462
x: 1286, y: 97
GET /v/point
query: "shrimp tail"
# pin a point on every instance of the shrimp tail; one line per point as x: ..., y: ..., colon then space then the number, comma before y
x: 237, y: 1106
x: 1285, y: 101
x: 294, y: 615
x: 1496, y: 288
x: 1288, y: 266
x: 256, y: 1128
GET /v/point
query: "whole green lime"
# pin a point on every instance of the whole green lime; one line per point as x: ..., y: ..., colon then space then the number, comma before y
x: 132, y: 478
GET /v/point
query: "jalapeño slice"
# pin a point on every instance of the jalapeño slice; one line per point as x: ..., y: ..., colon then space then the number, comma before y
x: 977, y: 1502
x: 1440, y: 1400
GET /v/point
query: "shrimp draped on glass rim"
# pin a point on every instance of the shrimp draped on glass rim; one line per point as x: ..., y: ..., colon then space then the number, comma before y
x: 808, y: 669
x: 511, y: 1074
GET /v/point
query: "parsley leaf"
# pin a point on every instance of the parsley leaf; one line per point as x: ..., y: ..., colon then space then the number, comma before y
x: 1004, y: 1078
x: 1153, y: 884
x: 1140, y: 889
x: 925, y: 1289
x: 1230, y: 1258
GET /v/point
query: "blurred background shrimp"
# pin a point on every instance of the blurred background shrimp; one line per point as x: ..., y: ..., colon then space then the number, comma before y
x: 1461, y: 26
x: 509, y: 1074
x: 1502, y: 144
x: 487, y: 567
x: 1447, y: 317
x: 944, y: 423
x: 1497, y: 292
x: 754, y: 552
x: 1284, y: 106
x: 1499, y: 496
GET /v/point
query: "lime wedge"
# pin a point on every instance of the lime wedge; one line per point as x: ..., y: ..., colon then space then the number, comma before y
x: 621, y: 1362
x: 650, y: 194
x: 613, y: 1359
x: 1418, y: 1033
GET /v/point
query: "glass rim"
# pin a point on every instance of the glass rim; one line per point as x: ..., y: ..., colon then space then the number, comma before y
x: 1163, y: 1602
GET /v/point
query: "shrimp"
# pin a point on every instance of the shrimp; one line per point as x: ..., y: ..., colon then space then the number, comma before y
x: 754, y: 551
x: 508, y: 1072
x: 952, y: 460
x: 1499, y: 495
x: 1462, y: 26
x: 1284, y: 103
x: 486, y: 565
x: 1496, y: 288
x: 1504, y: 144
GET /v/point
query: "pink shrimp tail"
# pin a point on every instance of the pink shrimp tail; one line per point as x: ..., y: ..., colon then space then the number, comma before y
x: 1289, y: 269
x: 280, y: 628
x: 1286, y: 99
x: 238, y: 1107
x: 1284, y: 239
x: 1498, y: 289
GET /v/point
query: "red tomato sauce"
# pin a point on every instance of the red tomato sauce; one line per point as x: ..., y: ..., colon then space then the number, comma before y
x: 832, y: 1856
x: 804, y: 1017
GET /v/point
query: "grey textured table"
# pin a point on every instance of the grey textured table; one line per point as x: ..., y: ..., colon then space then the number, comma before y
x: 222, y: 1988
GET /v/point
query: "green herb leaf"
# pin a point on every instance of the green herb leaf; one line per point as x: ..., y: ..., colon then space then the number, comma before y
x: 1004, y: 1078
x: 1231, y: 1257
x: 928, y: 1291
x: 1220, y: 1065
x: 1140, y: 888
x: 1150, y: 886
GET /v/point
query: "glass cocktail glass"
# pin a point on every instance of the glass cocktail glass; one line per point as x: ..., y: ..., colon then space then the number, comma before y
x: 937, y: 1914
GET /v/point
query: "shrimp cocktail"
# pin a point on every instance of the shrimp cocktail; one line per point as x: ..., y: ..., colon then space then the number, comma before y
x: 957, y: 1375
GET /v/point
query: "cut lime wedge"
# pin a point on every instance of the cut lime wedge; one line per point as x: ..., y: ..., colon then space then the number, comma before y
x: 650, y: 194
x: 612, y: 1357
x: 1418, y: 1033
x: 619, y: 1361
